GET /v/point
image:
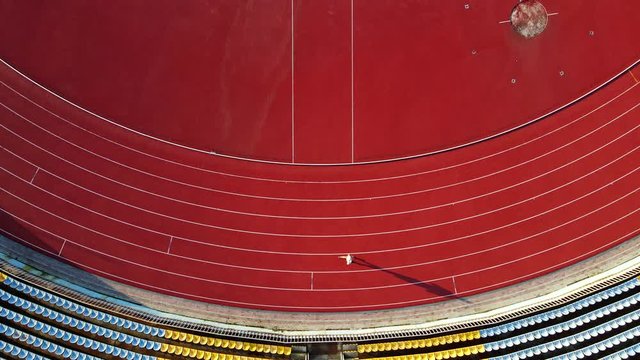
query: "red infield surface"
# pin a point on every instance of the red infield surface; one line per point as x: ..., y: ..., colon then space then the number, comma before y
x: 152, y: 142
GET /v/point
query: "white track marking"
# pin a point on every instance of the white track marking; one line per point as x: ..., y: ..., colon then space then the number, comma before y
x: 309, y: 164
x: 511, y: 243
x: 64, y: 242
x: 421, y: 173
x: 293, y: 106
x: 369, y: 306
x: 34, y: 174
x: 395, y: 231
x: 294, y: 199
x: 353, y: 104
x: 432, y: 225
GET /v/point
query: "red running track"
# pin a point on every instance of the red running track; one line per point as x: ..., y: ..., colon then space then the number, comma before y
x: 268, y: 236
x: 323, y: 81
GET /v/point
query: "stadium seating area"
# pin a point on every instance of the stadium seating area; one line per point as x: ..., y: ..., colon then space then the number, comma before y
x: 39, y: 324
x: 53, y: 326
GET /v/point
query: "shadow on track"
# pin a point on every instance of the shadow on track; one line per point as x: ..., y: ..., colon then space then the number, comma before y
x: 429, y: 287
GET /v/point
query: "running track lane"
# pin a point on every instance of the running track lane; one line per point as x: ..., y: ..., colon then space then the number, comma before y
x: 579, y: 199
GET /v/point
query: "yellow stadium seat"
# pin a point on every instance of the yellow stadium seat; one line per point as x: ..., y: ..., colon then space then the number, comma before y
x: 171, y: 349
x: 200, y: 354
x: 207, y: 355
x: 189, y: 338
x: 164, y: 347
x: 401, y: 345
x: 287, y: 351
x: 3, y: 277
x: 168, y: 333
x: 183, y: 336
x: 217, y: 342
x: 259, y: 347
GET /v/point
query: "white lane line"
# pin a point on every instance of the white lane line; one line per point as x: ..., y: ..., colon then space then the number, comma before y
x: 421, y: 173
x: 293, y: 115
x: 368, y: 252
x: 369, y: 306
x: 310, y: 164
x: 315, y: 218
x: 170, y: 243
x: 290, y: 199
x: 461, y: 256
x: 34, y: 174
x: 353, y: 105
x: 395, y: 231
x: 104, y: 254
x: 64, y: 242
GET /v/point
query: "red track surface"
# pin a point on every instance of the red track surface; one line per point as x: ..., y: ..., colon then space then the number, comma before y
x: 382, y: 80
x: 268, y: 236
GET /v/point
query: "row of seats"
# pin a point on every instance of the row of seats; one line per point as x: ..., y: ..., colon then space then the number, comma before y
x: 17, y: 352
x: 632, y: 335
x: 132, y: 326
x: 82, y: 310
x: 227, y: 343
x: 43, y: 345
x: 579, y: 305
x: 574, y: 340
x: 69, y: 338
x: 94, y: 330
x: 532, y: 351
x: 629, y: 353
x: 437, y: 355
x: 558, y: 313
x: 570, y: 324
x: 418, y: 344
x: 65, y: 320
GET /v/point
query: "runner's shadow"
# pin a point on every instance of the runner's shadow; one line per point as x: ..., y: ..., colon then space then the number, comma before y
x: 429, y: 287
